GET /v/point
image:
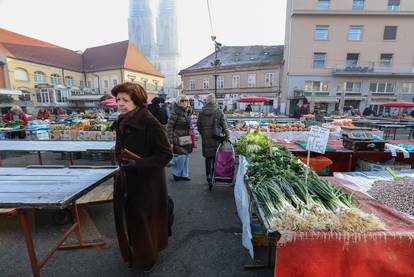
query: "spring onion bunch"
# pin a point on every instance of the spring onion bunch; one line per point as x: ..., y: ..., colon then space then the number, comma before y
x: 277, y: 180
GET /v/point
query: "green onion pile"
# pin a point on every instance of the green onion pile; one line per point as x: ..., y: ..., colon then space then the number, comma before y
x: 277, y: 180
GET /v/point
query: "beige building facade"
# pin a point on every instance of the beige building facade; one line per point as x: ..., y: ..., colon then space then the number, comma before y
x: 47, y: 75
x: 244, y: 71
x: 343, y: 53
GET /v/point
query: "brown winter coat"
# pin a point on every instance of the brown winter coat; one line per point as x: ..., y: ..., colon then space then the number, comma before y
x: 205, y: 128
x: 146, y: 209
x: 178, y: 125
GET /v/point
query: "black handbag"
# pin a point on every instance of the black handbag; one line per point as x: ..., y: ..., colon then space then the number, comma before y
x: 217, y: 130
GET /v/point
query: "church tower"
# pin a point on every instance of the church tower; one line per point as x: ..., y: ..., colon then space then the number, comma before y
x: 167, y: 43
x: 141, y: 28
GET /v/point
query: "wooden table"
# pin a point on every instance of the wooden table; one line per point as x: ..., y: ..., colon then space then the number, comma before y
x: 68, y: 146
x: 25, y: 189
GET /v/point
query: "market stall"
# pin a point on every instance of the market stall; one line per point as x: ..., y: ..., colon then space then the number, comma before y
x: 25, y: 189
x: 325, y: 228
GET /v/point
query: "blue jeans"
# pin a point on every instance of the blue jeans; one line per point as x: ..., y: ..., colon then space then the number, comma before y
x: 180, y: 165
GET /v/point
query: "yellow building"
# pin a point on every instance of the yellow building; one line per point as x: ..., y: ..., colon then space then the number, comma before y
x: 49, y: 75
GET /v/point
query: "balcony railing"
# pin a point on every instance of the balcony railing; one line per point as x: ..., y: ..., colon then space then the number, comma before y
x: 373, y: 69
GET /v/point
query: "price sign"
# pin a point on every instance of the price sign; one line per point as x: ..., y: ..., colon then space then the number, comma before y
x: 318, y: 139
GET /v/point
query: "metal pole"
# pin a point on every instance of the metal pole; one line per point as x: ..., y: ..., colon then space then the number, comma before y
x: 215, y: 85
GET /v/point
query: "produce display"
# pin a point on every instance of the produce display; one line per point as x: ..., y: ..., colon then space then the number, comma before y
x: 15, y: 124
x: 395, y: 194
x: 342, y: 122
x: 277, y: 181
x: 290, y: 127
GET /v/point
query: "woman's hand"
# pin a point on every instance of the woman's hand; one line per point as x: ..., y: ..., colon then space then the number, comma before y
x: 128, y: 164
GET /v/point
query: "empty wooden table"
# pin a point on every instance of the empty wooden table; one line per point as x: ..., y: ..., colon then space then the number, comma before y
x: 68, y: 146
x: 31, y: 188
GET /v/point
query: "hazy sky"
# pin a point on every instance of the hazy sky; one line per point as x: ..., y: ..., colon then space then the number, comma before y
x: 79, y: 24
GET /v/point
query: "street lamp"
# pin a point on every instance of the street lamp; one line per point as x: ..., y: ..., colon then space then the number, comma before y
x: 216, y: 63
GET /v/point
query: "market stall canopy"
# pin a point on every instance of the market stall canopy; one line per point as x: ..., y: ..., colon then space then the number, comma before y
x: 255, y: 99
x: 399, y: 104
x: 111, y: 102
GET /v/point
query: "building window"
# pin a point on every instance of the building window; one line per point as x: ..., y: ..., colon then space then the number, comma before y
x: 95, y: 83
x: 144, y: 83
x: 382, y: 87
x: 319, y: 60
x: 386, y: 60
x: 69, y: 81
x: 89, y: 84
x: 114, y: 81
x: 192, y: 84
x: 269, y: 79
x: 358, y: 5
x: 220, y: 82
x: 393, y: 5
x: 20, y: 74
x: 355, y: 33
x: 236, y: 81
x: 321, y: 32
x: 353, y: 86
x: 39, y: 77
x: 390, y: 33
x: 156, y: 84
x: 58, y: 94
x: 82, y: 83
x: 55, y: 79
x: 251, y: 80
x: 317, y: 86
x: 206, y: 83
x: 324, y: 5
x: 43, y: 96
x: 106, y: 84
x: 407, y: 88
x: 352, y: 59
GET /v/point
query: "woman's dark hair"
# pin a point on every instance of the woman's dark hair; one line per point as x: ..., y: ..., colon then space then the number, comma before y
x: 137, y: 93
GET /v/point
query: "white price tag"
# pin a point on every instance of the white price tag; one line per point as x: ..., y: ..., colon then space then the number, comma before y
x: 318, y: 139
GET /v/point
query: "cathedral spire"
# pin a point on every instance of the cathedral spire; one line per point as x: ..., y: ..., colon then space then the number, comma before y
x: 141, y: 27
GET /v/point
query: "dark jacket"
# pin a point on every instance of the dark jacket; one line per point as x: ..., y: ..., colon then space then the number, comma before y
x: 146, y: 209
x: 179, y: 125
x: 205, y: 128
x: 159, y: 113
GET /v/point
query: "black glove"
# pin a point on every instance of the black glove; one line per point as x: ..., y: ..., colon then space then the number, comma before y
x: 128, y: 164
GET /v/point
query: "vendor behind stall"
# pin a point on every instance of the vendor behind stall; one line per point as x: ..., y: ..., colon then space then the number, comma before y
x: 43, y: 114
x: 16, y: 115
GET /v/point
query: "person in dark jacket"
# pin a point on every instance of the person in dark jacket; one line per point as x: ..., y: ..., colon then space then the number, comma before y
x: 248, y: 108
x: 178, y: 130
x: 145, y: 208
x: 157, y: 111
x: 205, y: 127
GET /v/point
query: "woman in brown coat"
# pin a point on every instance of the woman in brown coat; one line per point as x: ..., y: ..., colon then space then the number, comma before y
x: 140, y: 192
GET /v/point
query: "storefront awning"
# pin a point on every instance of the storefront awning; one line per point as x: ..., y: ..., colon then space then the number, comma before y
x: 10, y: 91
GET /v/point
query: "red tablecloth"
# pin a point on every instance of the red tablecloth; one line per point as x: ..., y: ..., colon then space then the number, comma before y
x: 386, y: 254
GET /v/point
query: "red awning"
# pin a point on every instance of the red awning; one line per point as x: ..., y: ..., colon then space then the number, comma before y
x: 254, y: 99
x: 399, y: 104
x: 108, y: 102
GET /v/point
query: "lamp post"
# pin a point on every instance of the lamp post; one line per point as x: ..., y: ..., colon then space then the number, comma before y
x: 216, y: 63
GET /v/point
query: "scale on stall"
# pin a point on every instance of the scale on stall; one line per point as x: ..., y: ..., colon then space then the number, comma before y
x: 361, y: 139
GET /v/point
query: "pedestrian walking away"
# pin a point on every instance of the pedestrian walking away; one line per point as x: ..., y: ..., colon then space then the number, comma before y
x: 157, y: 111
x: 140, y: 191
x: 178, y: 130
x: 210, y: 116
